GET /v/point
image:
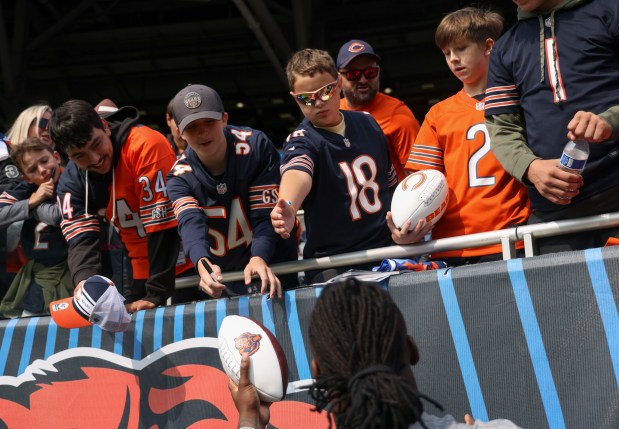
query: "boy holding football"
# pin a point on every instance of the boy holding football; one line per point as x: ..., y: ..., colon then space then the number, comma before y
x: 454, y: 139
x: 336, y: 164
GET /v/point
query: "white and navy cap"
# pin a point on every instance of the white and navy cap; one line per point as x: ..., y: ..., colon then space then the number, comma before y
x: 196, y: 102
x: 96, y: 302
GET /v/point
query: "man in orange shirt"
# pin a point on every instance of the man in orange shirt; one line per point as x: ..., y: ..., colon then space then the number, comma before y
x: 357, y: 63
x: 454, y: 139
x: 117, y: 171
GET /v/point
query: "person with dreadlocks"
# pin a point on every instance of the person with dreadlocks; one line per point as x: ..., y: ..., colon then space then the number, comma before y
x: 364, y: 381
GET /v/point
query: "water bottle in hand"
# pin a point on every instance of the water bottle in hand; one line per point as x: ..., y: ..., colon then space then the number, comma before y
x: 574, y: 157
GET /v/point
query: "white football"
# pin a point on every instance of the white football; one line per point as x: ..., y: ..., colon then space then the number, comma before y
x: 422, y: 195
x: 268, y: 371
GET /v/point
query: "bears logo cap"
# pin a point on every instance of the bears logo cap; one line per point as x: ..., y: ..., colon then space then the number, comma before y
x: 196, y: 102
x: 96, y: 302
x: 351, y: 50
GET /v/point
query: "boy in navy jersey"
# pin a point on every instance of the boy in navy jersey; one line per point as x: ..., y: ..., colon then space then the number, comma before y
x: 45, y: 277
x: 336, y: 164
x: 222, y: 189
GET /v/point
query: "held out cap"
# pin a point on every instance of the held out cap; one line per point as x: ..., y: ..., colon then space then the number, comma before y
x: 351, y: 50
x: 196, y: 102
x: 96, y: 302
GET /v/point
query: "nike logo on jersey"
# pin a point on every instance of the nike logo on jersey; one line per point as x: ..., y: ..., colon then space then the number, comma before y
x: 292, y: 148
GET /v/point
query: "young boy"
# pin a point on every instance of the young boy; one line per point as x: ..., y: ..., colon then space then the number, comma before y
x: 453, y: 139
x: 45, y: 277
x: 336, y: 164
x: 222, y: 189
x: 117, y: 170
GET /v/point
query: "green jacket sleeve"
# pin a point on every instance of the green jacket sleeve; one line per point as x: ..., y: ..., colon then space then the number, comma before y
x: 509, y: 144
x: 612, y: 116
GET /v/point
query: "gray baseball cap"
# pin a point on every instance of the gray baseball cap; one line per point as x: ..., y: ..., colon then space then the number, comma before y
x: 196, y: 102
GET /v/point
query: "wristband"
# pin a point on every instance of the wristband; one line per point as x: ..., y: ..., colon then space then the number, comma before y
x: 294, y: 210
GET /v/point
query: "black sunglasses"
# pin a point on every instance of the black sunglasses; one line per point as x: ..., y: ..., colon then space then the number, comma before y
x: 43, y: 122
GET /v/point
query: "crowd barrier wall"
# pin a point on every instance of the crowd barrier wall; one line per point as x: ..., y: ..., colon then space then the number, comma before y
x: 534, y: 340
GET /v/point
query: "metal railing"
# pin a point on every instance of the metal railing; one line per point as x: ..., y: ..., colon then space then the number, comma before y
x: 507, y: 238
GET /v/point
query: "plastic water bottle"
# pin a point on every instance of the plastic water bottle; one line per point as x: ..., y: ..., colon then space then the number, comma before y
x: 575, y: 155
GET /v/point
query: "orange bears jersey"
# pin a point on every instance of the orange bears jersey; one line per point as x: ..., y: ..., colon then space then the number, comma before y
x: 398, y: 124
x: 136, y: 200
x: 482, y: 195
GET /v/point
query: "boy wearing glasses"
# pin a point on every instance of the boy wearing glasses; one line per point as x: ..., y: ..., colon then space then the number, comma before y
x: 336, y: 164
x: 223, y: 188
x: 357, y: 63
x: 453, y: 139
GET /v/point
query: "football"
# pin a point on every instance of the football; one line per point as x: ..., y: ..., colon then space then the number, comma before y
x: 422, y: 195
x: 268, y: 371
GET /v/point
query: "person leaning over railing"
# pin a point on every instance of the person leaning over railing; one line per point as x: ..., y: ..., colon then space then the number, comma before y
x: 118, y: 169
x: 336, y: 164
x: 222, y: 189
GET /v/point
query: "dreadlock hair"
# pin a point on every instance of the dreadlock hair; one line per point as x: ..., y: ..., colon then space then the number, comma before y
x: 359, y: 340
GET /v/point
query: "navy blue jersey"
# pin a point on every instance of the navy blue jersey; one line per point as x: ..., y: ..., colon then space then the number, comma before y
x: 576, y: 68
x: 227, y: 217
x: 42, y: 243
x: 352, y: 184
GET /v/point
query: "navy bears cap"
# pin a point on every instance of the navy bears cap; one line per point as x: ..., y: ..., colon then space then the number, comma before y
x: 351, y: 50
x: 196, y: 102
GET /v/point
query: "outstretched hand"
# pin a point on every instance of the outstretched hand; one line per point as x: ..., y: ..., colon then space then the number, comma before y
x: 252, y: 413
x: 283, y: 218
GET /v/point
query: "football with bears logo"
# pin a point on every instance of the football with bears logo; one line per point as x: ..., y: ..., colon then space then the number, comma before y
x: 268, y: 371
x: 422, y: 195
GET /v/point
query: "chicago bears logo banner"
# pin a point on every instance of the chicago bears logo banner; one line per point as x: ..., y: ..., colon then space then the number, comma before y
x: 534, y: 340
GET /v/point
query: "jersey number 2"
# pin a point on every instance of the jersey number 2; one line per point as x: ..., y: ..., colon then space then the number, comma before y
x: 475, y: 181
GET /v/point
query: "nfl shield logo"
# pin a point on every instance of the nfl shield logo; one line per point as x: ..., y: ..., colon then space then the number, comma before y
x: 222, y: 188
